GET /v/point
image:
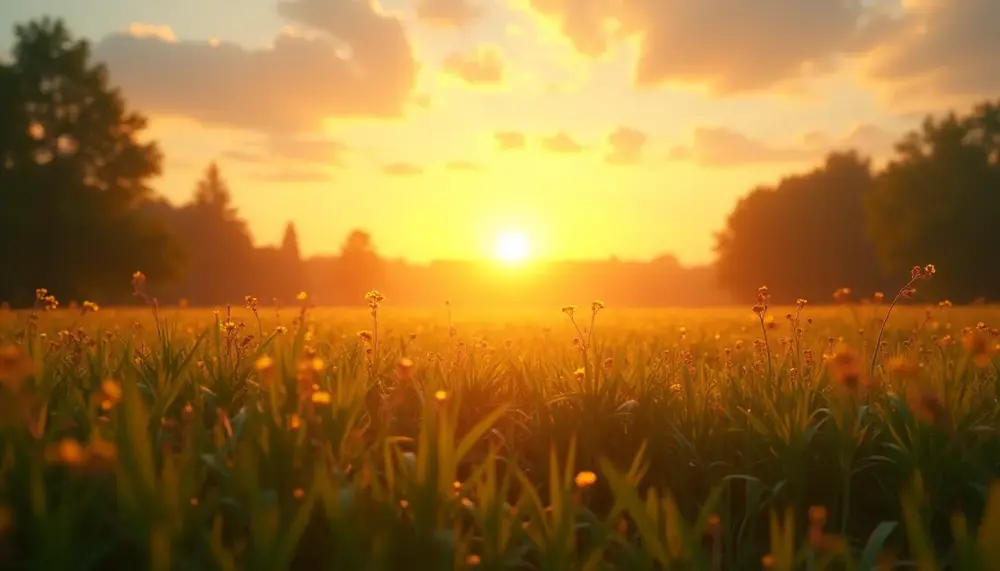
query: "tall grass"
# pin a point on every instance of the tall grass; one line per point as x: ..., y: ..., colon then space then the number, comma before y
x: 318, y: 439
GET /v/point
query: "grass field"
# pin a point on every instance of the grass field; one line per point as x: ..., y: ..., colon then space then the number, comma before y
x: 588, y: 438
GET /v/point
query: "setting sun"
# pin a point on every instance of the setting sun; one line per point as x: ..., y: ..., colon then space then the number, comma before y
x: 512, y: 247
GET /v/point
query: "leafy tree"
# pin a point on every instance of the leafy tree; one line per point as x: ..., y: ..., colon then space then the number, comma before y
x: 804, y: 237
x: 72, y: 175
x: 938, y: 201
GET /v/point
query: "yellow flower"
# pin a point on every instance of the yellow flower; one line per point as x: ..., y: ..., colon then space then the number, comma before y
x: 112, y: 392
x: 302, y: 296
x: 404, y: 368
x: 580, y: 373
x: 67, y: 452
x: 264, y: 363
x: 585, y: 479
x: 321, y: 398
x: 441, y: 396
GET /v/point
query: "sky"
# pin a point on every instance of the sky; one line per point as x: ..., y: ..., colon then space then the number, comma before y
x: 591, y: 127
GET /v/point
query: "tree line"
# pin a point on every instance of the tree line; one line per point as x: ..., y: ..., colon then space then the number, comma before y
x: 78, y: 216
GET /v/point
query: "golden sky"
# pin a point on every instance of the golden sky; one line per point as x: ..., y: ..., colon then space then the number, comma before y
x: 593, y: 127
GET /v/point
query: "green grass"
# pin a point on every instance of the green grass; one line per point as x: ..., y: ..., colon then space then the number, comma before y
x: 318, y: 450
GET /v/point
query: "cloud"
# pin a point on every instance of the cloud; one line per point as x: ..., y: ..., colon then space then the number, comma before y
x: 291, y: 148
x: 292, y: 85
x: 561, y: 143
x: 722, y: 147
x: 448, y: 13
x: 719, y: 146
x: 938, y: 52
x: 402, y: 169
x: 463, y: 166
x: 141, y: 30
x: 483, y: 65
x: 510, y: 140
x: 725, y: 46
x: 293, y: 175
x: 625, y: 146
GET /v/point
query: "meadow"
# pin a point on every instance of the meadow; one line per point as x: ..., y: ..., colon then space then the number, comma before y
x: 582, y: 437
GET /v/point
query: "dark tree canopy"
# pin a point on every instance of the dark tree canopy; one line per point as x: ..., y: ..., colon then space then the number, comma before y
x: 72, y: 174
x: 938, y: 201
x: 803, y: 238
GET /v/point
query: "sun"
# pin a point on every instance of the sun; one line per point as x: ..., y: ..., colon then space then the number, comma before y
x: 512, y: 247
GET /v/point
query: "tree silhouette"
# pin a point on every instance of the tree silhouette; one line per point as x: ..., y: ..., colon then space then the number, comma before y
x: 938, y: 201
x: 359, y: 268
x: 73, y: 175
x: 803, y: 238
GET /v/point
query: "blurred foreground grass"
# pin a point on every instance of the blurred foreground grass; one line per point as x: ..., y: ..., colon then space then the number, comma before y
x: 517, y: 439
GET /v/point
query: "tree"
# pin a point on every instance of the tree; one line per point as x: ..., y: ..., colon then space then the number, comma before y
x: 938, y: 201
x: 359, y: 268
x: 73, y: 175
x: 221, y: 253
x: 803, y: 238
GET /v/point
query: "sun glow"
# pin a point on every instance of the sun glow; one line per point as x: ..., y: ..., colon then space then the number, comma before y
x: 512, y: 247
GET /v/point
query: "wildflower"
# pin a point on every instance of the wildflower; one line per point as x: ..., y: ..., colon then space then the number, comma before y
x: 842, y: 295
x: 713, y: 525
x: 585, y: 479
x: 374, y: 300
x: 404, y: 504
x: 303, y: 296
x: 580, y: 373
x: 927, y: 405
x: 251, y: 303
x: 321, y: 398
x: 67, y: 452
x: 228, y: 326
x: 441, y: 396
x: 404, y: 368
x: 903, y: 367
x: 50, y: 303
x: 15, y: 366
x: 264, y: 363
x: 944, y: 304
x: 569, y: 310
x: 596, y: 306
x: 365, y: 336
x: 817, y: 516
x: 138, y: 281
x: 280, y: 330
x: 111, y: 391
x: 89, y: 307
x: 978, y: 345
x: 878, y: 297
x: 845, y: 368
